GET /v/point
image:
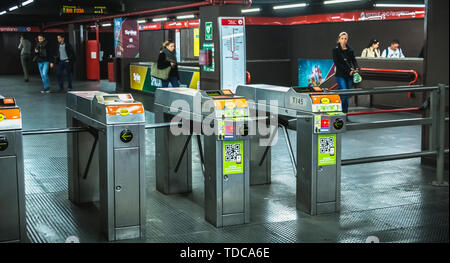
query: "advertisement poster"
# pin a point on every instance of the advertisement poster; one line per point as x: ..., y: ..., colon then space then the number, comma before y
x: 327, y: 149
x: 233, y: 57
x: 313, y: 72
x: 233, y: 157
x: 126, y: 38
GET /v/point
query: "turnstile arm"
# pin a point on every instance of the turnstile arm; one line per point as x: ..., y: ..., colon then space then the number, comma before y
x: 291, y: 152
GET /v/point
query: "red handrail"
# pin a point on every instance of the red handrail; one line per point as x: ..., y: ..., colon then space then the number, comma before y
x: 416, y: 76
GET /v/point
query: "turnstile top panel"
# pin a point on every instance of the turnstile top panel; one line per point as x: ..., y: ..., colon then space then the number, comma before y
x: 169, y: 97
x: 303, y: 99
x: 10, y: 115
x: 105, y: 107
x: 224, y: 107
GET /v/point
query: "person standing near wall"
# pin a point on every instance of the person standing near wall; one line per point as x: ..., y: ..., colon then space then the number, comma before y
x: 65, y: 57
x: 42, y: 57
x: 346, y: 66
x: 167, y: 58
x: 393, y: 51
x: 372, y: 50
x: 25, y: 56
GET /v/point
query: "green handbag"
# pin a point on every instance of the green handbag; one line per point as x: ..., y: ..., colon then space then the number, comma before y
x: 159, y: 73
x: 357, y: 78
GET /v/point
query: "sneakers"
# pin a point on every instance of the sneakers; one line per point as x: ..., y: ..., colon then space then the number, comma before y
x: 45, y: 91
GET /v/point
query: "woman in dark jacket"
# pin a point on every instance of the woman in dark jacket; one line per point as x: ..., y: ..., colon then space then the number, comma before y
x: 346, y: 65
x: 167, y: 58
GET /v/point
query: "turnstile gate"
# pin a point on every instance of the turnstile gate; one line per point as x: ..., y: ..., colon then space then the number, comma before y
x: 12, y: 189
x: 319, y: 121
x: 222, y: 119
x: 112, y: 172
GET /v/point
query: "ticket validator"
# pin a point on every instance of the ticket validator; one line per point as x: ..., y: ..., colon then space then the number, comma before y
x: 12, y: 189
x: 226, y: 149
x: 107, y: 163
x: 319, y: 121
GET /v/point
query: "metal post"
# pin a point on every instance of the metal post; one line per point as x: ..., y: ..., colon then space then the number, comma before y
x: 291, y: 152
x: 440, y: 139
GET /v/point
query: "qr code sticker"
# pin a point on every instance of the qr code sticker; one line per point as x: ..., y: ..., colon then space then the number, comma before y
x: 327, y: 145
x: 233, y: 153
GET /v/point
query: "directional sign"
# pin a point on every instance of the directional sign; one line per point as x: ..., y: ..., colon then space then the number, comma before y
x: 126, y: 136
x: 208, y: 31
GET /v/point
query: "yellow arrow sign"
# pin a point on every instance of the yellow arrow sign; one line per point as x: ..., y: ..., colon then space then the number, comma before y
x: 2, y: 117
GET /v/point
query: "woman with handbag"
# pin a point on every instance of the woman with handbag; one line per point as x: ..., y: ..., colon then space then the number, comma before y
x: 346, y: 67
x: 167, y: 59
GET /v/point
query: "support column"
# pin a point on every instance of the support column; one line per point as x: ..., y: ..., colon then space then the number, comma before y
x: 211, y: 80
x: 436, y: 63
x: 77, y: 38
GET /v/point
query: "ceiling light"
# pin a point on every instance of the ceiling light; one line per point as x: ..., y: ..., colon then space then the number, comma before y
x: 106, y: 24
x: 2, y: 13
x: 251, y: 10
x: 399, y: 5
x: 185, y: 17
x: 330, y: 2
x: 289, y: 6
x: 141, y: 21
x: 13, y: 8
x: 159, y: 19
x: 27, y: 2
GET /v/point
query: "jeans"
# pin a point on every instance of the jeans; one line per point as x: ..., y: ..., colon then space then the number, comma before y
x: 43, y: 69
x: 172, y: 80
x: 63, y: 65
x: 343, y: 84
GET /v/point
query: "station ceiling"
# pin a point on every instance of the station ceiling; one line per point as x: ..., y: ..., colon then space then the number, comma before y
x: 41, y: 12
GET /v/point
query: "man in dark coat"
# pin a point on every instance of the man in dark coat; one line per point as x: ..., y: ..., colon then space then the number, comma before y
x: 64, y: 59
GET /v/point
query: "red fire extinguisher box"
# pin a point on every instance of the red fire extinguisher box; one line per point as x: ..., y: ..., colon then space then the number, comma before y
x: 92, y: 60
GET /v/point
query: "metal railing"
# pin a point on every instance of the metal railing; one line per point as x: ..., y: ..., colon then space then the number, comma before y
x: 436, y: 121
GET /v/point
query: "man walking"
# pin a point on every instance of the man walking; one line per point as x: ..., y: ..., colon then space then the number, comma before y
x: 25, y: 56
x: 65, y: 57
x: 43, y: 60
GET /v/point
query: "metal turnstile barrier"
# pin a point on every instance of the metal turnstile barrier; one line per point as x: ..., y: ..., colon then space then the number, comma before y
x: 222, y: 119
x: 107, y: 162
x: 319, y: 122
x: 12, y: 185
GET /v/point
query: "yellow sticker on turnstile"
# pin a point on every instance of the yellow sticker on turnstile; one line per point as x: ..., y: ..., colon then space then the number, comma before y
x: 230, y: 104
x: 124, y: 111
x: 325, y: 100
x: 2, y: 117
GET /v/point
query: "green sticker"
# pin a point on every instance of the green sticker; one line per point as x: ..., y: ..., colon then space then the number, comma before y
x: 327, y: 149
x: 233, y: 157
x: 237, y: 113
x: 229, y: 113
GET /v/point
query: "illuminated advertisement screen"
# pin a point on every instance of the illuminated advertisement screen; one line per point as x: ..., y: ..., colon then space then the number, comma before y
x: 313, y: 72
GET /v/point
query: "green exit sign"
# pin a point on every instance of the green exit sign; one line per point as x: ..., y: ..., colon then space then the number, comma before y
x: 208, y: 31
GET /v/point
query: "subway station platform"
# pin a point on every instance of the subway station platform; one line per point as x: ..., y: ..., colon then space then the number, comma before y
x: 393, y: 200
